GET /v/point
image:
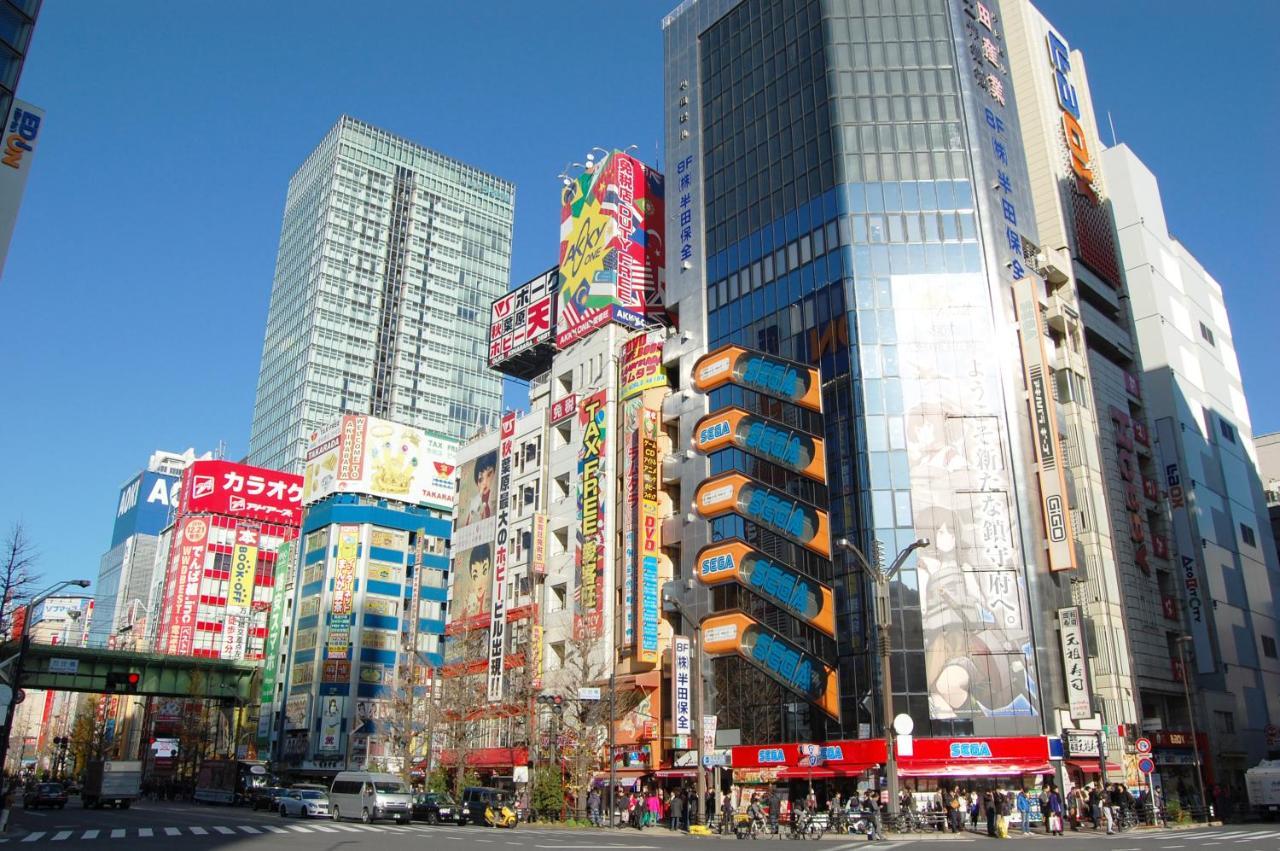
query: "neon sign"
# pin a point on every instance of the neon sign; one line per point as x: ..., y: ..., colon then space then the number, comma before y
x: 1069, y: 103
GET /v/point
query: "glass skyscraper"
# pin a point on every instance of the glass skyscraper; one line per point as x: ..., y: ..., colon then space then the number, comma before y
x: 847, y: 189
x: 390, y: 255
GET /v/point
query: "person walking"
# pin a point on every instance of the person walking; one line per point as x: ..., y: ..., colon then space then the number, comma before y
x: 975, y: 806
x: 593, y: 807
x: 871, y: 806
x: 726, y: 813
x: 1024, y: 811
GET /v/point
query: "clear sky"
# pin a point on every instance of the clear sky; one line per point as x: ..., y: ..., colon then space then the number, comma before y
x: 135, y: 294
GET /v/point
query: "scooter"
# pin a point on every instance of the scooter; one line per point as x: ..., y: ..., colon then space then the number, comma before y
x: 504, y: 816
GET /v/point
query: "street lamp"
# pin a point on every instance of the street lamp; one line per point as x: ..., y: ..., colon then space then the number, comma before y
x: 881, y: 578
x: 672, y: 602
x: 7, y: 728
x: 1182, y: 641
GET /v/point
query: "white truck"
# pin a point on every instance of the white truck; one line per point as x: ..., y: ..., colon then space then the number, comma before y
x: 1262, y: 784
x: 117, y: 782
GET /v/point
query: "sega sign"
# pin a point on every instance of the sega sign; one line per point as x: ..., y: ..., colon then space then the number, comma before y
x: 145, y: 506
x: 970, y: 750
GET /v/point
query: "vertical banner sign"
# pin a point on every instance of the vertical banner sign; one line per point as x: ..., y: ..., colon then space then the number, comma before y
x: 344, y: 579
x: 1074, y: 663
x: 193, y: 540
x: 1189, y: 569
x: 275, y: 621
x: 1044, y: 427
x: 1127, y: 462
x: 650, y: 539
x: 535, y: 657
x: 540, y: 544
x: 591, y: 516
x: 244, y: 564
x: 21, y: 134
x: 629, y: 435
x: 498, y: 617
x: 681, y: 707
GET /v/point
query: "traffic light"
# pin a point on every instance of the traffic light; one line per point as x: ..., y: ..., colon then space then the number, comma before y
x: 123, y: 682
x: 555, y: 701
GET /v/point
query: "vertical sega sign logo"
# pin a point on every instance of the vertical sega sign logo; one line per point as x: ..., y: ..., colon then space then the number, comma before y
x: 1069, y: 103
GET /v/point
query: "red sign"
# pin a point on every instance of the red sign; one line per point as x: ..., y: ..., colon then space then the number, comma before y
x: 1127, y: 462
x: 238, y: 490
x: 562, y: 409
x: 186, y: 559
x: 851, y: 755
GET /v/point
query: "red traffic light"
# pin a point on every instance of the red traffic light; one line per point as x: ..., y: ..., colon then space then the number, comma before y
x: 133, y: 679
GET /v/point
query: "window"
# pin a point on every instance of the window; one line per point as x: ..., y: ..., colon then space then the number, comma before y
x: 1228, y: 431
x: 1225, y: 721
x: 556, y: 595
x: 1246, y: 532
x: 1268, y: 647
x: 555, y: 656
x: 1207, y: 333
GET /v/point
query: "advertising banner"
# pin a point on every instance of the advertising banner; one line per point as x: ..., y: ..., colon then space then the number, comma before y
x: 332, y: 710
x: 275, y: 622
x: 611, y: 253
x: 244, y: 564
x: 681, y: 690
x: 361, y: 454
x: 238, y: 490
x: 1193, y: 589
x: 801, y: 672
x: 782, y: 379
x: 564, y: 407
x: 641, y: 366
x: 650, y: 532
x: 190, y: 544
x: 1044, y: 427
x: 56, y: 609
x: 804, y: 597
x: 498, y: 612
x: 1124, y: 430
x: 523, y: 318
x: 539, y: 558
x: 592, y: 500
x: 764, y: 438
x: 1075, y: 663
x: 235, y: 635
x: 340, y: 608
x: 770, y: 509
x: 629, y: 437
x: 535, y: 657
x: 21, y: 135
x: 295, y: 712
x: 145, y: 506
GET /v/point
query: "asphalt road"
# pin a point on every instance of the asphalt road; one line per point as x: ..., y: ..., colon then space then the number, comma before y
x: 154, y: 826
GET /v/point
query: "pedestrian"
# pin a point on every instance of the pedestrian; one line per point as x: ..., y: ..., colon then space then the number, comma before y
x: 709, y: 811
x: 975, y: 807
x: 774, y: 802
x: 871, y: 805
x: 676, y: 811
x: 1044, y: 805
x: 1055, y: 812
x: 655, y: 807
x: 726, y: 813
x: 1094, y: 801
x: 1004, y: 808
x: 989, y: 810
x: 1024, y: 811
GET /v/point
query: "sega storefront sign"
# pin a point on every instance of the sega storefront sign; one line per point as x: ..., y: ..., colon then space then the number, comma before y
x: 846, y: 758
x: 801, y: 672
x: 771, y: 509
x: 767, y: 374
x: 239, y: 490
x: 764, y: 438
x: 976, y: 757
x: 145, y: 506
x: 802, y: 596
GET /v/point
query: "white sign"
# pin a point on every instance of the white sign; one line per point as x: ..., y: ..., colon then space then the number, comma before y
x: 498, y: 614
x: 1075, y: 663
x: 681, y: 707
x: 235, y: 635
x: 1143, y: 745
x: 709, y: 723
x: 588, y: 694
x: 1082, y: 743
x: 64, y: 666
x: 22, y: 130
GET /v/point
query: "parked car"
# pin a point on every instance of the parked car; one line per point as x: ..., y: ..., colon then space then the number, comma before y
x: 44, y: 795
x: 303, y: 803
x: 72, y: 787
x: 475, y: 799
x: 266, y: 797
x: 436, y: 807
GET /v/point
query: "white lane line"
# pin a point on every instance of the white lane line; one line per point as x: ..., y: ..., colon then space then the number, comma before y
x: 349, y: 828
x: 59, y: 836
x: 145, y: 833
x: 1173, y: 846
x: 172, y: 831
x: 322, y: 829
x: 90, y: 834
x: 247, y: 829
x: 270, y: 828
x: 118, y: 833
x: 199, y: 831
x: 584, y: 846
x: 299, y: 828
x: 34, y: 836
x: 225, y: 831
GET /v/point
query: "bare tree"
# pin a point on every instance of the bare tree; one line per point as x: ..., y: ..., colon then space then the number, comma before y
x: 17, y: 574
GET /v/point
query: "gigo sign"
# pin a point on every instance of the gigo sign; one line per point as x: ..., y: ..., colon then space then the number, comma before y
x: 1069, y: 103
x: 771, y: 509
x: 802, y: 596
x: 768, y: 440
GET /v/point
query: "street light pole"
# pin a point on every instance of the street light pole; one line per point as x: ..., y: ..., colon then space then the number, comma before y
x: 1191, y: 716
x: 884, y: 619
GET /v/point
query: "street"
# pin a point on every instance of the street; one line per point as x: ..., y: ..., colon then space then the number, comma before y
x: 221, y: 827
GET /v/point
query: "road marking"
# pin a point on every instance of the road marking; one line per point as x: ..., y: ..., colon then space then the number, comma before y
x: 1172, y: 846
x: 145, y: 833
x: 299, y: 828
x: 118, y: 833
x: 247, y: 829
x: 90, y: 834
x: 321, y: 828
x: 225, y: 831
x: 273, y: 829
x: 199, y: 831
x: 172, y: 831
x: 349, y: 828
x: 33, y: 837
x: 59, y: 836
x: 583, y: 846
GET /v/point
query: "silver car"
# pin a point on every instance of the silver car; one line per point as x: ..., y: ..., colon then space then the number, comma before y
x: 304, y: 802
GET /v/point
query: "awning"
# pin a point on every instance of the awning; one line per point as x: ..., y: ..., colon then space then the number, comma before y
x: 676, y: 772
x: 805, y: 773
x: 625, y: 777
x: 938, y: 768
x: 1091, y: 766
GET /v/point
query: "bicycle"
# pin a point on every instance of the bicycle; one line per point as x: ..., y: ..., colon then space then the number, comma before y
x: 745, y: 826
x: 806, y: 826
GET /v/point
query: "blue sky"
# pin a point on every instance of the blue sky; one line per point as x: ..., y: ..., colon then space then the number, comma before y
x: 135, y: 293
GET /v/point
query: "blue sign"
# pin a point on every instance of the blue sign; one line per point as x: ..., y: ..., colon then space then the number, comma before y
x: 1146, y: 765
x: 970, y: 750
x: 766, y: 756
x: 145, y: 506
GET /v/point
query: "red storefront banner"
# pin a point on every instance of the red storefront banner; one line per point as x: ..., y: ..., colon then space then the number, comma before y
x: 851, y: 756
x: 186, y: 569
x: 942, y: 757
x: 238, y: 490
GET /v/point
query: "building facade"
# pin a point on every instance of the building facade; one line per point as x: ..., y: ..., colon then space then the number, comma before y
x: 1204, y: 444
x: 390, y: 255
x: 851, y: 195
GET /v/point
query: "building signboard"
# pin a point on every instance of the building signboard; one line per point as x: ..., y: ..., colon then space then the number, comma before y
x: 641, y: 366
x: 498, y: 612
x: 187, y: 557
x: 681, y: 691
x: 593, y: 496
x: 145, y: 506
x: 564, y: 407
x: 801, y: 596
x: 362, y: 454
x: 1194, y: 596
x: 649, y: 530
x: 275, y: 622
x: 1123, y: 427
x: 764, y: 438
x: 762, y: 373
x: 523, y: 318
x: 1075, y: 663
x: 796, y: 669
x: 239, y: 490
x: 21, y: 135
x: 771, y: 509
x: 539, y: 557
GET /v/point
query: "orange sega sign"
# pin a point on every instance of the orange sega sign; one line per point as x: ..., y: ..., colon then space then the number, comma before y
x: 802, y: 596
x: 771, y: 509
x: 772, y: 376
x: 763, y: 438
x: 799, y: 671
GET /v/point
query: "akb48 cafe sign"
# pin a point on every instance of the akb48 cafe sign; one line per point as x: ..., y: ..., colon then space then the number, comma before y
x: 942, y: 758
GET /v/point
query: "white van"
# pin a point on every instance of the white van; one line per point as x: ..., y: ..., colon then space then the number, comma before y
x: 369, y: 795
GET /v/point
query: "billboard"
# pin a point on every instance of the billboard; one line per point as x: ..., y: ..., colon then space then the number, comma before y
x: 593, y: 496
x: 681, y: 703
x: 186, y: 560
x: 768, y: 508
x: 795, y: 669
x: 244, y: 565
x: 145, y: 505
x: 802, y: 596
x: 782, y: 379
x: 275, y: 622
x: 360, y: 454
x: 649, y: 529
x: 611, y: 252
x: 764, y: 438
x: 477, y: 499
x: 498, y: 613
x: 239, y: 490
x: 57, y: 609
x: 523, y: 320
x: 472, y: 583
x: 641, y: 366
x: 1075, y: 663
x: 340, y: 604
x: 22, y: 129
x: 629, y: 440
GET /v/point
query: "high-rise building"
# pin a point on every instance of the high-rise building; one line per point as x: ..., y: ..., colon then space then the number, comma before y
x: 1203, y: 440
x: 17, y: 22
x: 850, y: 192
x: 390, y: 255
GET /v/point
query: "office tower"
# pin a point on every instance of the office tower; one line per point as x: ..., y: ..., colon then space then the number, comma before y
x: 850, y: 193
x: 390, y: 255
x: 17, y: 22
x: 1204, y: 442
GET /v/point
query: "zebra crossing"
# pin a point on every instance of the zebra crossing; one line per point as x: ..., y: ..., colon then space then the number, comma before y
x: 243, y: 830
x: 1228, y: 838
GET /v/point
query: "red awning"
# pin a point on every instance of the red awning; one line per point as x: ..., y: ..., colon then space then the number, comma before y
x: 1090, y: 766
x: 941, y: 768
x: 676, y: 772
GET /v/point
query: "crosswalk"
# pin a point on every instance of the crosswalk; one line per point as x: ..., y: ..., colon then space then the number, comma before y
x: 243, y: 830
x: 1237, y: 836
